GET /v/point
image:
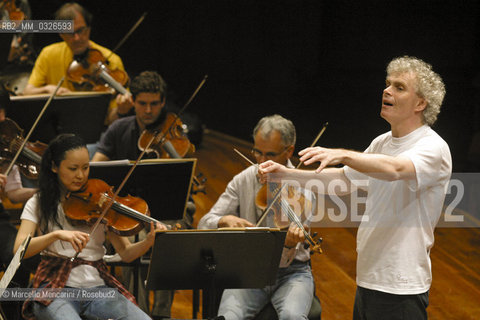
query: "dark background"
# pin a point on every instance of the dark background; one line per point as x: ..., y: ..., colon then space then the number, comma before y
x: 310, y: 61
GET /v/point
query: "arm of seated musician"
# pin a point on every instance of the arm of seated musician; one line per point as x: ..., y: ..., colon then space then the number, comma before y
x: 227, y: 211
x: 77, y: 239
x: 48, y: 89
x: 123, y: 107
x: 98, y: 156
x: 231, y: 221
x: 14, y: 190
x: 3, y: 182
x: 21, y: 194
x: 131, y: 251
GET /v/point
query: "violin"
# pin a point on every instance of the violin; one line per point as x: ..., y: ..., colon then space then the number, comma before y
x: 15, y: 14
x: 90, y: 73
x: 170, y: 141
x: 293, y: 205
x: 279, y: 202
x: 11, y: 139
x: 125, y: 217
x: 21, y: 51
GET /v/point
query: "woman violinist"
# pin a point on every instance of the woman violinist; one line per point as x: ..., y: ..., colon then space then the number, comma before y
x: 65, y: 168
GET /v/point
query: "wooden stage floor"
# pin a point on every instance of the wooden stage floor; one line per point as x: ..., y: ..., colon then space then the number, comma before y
x: 455, y: 292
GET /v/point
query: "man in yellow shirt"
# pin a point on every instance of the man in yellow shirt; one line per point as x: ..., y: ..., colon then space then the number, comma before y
x: 53, y: 62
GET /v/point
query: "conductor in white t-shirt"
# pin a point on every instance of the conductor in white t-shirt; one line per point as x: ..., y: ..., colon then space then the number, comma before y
x: 406, y: 173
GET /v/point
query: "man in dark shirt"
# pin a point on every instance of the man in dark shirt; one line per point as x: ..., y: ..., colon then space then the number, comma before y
x: 121, y: 138
x: 120, y: 141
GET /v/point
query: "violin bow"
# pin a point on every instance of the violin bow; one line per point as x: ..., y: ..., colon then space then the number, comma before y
x: 314, y: 141
x: 177, y: 115
x: 132, y: 29
x: 129, y: 173
x: 275, y: 198
x: 27, y: 137
x: 157, y: 135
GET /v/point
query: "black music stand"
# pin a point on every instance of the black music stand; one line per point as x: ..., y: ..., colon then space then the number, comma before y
x: 82, y: 114
x: 163, y: 183
x: 215, y: 259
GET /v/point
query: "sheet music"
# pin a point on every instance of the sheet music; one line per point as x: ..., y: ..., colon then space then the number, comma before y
x: 14, y: 264
x: 72, y: 94
x: 124, y: 162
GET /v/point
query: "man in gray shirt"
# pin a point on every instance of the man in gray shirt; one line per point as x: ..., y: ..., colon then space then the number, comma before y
x: 291, y: 295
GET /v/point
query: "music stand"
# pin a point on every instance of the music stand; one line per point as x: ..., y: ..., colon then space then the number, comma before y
x: 215, y: 259
x: 163, y: 183
x: 83, y: 114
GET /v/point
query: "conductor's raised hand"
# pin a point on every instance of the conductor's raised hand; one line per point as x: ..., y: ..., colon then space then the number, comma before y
x: 326, y: 157
x: 267, y: 168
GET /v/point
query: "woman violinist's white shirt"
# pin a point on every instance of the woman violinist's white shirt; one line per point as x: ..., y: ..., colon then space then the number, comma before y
x: 82, y: 276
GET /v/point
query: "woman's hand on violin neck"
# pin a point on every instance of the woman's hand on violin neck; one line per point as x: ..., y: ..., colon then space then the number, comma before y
x: 294, y: 236
x: 131, y: 251
x: 271, y: 171
x: 231, y: 221
x: 150, y: 239
x: 162, y: 227
x: 77, y: 239
x: 151, y: 233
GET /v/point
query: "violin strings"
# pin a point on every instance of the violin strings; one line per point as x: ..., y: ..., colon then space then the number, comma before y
x: 26, y: 152
x: 293, y: 217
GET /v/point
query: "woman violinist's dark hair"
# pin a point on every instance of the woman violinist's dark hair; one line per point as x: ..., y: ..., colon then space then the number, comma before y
x: 48, y: 180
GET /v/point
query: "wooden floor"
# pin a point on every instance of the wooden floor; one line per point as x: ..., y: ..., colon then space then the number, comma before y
x: 455, y: 292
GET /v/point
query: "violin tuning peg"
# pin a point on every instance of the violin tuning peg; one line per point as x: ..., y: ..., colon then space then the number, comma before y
x: 314, y: 234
